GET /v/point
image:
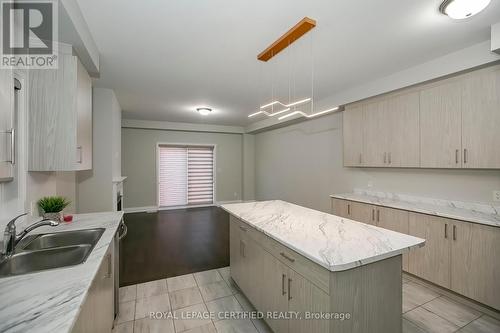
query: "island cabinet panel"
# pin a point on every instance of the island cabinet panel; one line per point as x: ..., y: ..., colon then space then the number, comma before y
x: 431, y: 262
x: 441, y: 126
x: 305, y: 298
x: 371, y: 294
x: 475, y: 272
x: 235, y: 253
x: 274, y: 292
x: 97, y: 313
x: 481, y: 120
x: 353, y: 136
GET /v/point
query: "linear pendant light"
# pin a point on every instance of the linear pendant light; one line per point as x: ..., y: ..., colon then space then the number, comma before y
x: 269, y: 114
x: 312, y: 115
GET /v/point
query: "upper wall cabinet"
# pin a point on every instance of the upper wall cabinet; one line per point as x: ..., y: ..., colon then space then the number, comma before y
x: 7, y: 132
x: 60, y: 117
x: 451, y: 123
x: 481, y: 120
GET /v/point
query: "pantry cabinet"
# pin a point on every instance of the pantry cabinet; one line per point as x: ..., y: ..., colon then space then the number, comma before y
x: 60, y: 117
x: 7, y: 131
x: 452, y: 123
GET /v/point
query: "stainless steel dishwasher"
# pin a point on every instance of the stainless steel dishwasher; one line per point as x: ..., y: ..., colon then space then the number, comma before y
x: 120, y: 234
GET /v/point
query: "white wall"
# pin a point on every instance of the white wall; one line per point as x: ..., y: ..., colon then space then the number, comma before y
x: 139, y: 162
x: 302, y: 163
x: 95, y: 187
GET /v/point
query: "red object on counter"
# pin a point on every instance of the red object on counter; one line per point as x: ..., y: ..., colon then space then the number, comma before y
x: 68, y: 218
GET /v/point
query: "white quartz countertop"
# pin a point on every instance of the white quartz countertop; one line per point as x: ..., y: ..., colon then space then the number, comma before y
x: 331, y: 241
x: 50, y: 301
x: 457, y: 210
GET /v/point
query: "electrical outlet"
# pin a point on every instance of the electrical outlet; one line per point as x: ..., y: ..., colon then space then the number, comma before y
x: 496, y: 196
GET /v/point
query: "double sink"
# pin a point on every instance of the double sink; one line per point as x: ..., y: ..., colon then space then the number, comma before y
x: 49, y: 251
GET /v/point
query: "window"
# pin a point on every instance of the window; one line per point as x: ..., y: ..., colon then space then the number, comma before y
x: 185, y: 175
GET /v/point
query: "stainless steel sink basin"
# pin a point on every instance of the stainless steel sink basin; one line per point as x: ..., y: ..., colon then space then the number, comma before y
x: 59, y: 239
x: 31, y: 261
x: 48, y: 251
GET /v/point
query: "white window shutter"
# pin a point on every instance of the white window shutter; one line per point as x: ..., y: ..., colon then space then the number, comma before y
x: 200, y: 175
x: 173, y: 176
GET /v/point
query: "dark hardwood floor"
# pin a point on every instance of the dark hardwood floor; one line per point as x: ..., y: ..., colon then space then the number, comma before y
x: 173, y: 242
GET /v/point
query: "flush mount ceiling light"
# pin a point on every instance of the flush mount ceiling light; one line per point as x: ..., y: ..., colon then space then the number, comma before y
x: 461, y: 9
x: 204, y: 111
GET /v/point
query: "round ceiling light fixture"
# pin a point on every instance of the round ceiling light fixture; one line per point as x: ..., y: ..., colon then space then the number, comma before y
x: 462, y: 9
x: 204, y: 111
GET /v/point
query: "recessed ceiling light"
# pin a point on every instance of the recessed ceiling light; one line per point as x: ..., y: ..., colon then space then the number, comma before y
x: 461, y: 9
x: 204, y: 111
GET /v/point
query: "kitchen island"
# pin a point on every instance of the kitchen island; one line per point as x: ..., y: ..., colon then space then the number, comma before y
x: 53, y: 300
x: 308, y: 271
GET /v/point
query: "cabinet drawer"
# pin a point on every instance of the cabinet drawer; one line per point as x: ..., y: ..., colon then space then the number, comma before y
x: 315, y: 273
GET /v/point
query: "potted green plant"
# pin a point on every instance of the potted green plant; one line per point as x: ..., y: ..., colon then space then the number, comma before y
x: 52, y: 207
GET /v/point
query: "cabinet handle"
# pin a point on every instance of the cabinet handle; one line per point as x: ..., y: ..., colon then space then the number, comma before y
x: 243, y: 228
x: 385, y: 158
x: 289, y: 289
x: 454, y: 232
x: 465, y: 155
x: 378, y: 215
x: 109, y: 271
x: 390, y: 159
x: 242, y: 249
x: 348, y: 209
x: 283, y: 292
x: 12, y: 133
x: 360, y: 158
x: 456, y: 156
x: 287, y: 257
x: 373, y: 214
x: 446, y: 230
x: 80, y: 157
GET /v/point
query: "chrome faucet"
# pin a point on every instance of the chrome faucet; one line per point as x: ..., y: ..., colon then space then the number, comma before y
x: 10, y: 239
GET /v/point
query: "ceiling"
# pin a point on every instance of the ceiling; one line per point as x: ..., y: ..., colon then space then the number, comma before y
x: 164, y: 58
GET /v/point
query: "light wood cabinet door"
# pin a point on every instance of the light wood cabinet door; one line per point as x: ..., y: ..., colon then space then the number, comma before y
x: 84, y: 121
x: 441, y: 126
x: 303, y: 296
x: 6, y: 124
x: 252, y: 270
x: 376, y: 128
x: 403, y: 118
x: 362, y: 212
x: 353, y: 136
x: 340, y: 208
x: 475, y: 271
x: 395, y: 220
x: 481, y: 120
x: 431, y: 262
x: 274, y: 291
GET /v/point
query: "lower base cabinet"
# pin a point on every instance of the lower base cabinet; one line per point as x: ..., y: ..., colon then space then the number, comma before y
x: 97, y: 314
x: 458, y: 255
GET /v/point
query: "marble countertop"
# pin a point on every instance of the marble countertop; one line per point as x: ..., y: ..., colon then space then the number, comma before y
x: 331, y: 241
x: 457, y: 210
x: 50, y: 301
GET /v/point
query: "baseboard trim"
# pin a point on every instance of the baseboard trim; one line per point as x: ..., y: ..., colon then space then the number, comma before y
x: 151, y: 209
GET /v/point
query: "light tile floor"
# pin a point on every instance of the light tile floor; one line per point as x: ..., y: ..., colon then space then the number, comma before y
x: 424, y: 310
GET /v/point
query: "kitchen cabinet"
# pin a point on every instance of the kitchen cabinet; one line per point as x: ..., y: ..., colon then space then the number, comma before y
x: 376, y: 130
x: 474, y: 262
x: 340, y: 207
x: 452, y: 123
x: 353, y: 136
x: 481, y: 120
x: 354, y: 210
x: 97, y: 313
x: 441, y: 126
x: 431, y: 262
x: 60, y: 117
x: 7, y: 131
